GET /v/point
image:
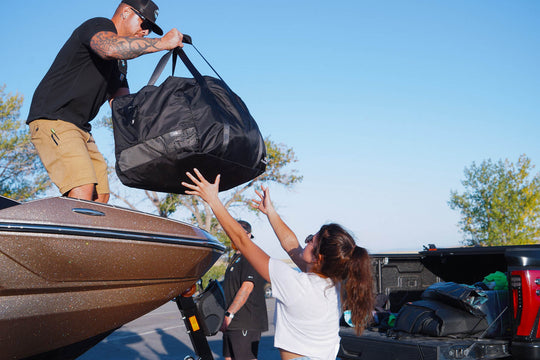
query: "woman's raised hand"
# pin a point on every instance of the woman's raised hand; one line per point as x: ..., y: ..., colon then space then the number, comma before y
x: 201, y: 187
x: 264, y: 204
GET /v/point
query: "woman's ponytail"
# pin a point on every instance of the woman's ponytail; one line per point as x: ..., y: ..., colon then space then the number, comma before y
x: 358, y: 289
x: 343, y: 261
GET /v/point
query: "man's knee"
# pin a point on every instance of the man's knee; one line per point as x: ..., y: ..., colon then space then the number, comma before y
x: 103, y: 198
x: 83, y: 192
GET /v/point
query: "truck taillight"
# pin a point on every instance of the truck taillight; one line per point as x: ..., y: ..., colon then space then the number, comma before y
x: 517, y: 301
x: 525, y: 287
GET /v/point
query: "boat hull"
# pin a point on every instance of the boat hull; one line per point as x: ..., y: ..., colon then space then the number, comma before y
x: 72, y: 270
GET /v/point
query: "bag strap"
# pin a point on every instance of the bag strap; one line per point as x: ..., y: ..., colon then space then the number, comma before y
x: 176, y: 52
x: 159, y: 68
x: 179, y: 52
x: 164, y: 60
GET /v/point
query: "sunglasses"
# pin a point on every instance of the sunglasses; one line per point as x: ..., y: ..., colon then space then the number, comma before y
x: 309, y: 239
x: 145, y: 25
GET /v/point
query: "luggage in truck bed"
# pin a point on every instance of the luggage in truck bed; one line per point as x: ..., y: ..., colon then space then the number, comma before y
x: 403, y: 277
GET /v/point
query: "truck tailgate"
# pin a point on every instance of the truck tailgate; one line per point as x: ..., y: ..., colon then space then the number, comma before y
x: 378, y: 346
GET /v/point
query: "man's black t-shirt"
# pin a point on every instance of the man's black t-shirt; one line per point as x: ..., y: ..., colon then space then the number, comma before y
x: 79, y: 81
x: 253, y: 315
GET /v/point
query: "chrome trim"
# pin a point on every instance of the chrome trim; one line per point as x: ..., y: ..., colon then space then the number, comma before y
x: 210, y: 241
x: 90, y: 212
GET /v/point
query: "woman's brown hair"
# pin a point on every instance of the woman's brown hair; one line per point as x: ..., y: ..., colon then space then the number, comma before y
x: 344, y: 262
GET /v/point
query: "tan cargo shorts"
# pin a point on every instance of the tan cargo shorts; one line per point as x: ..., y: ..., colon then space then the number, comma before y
x: 69, y: 154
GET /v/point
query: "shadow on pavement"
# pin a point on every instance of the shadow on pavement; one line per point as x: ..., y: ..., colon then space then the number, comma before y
x: 126, y: 345
x: 143, y: 340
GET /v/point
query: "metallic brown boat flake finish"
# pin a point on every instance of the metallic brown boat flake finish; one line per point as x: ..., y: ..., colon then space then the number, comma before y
x: 74, y: 269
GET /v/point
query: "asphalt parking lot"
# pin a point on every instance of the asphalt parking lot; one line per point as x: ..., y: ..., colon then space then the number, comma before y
x: 161, y: 335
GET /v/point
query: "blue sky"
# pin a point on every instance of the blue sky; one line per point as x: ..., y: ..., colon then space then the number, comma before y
x: 384, y: 102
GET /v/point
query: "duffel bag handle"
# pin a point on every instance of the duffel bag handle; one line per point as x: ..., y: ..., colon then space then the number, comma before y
x: 159, y: 68
x: 179, y: 52
x: 187, y: 39
x: 164, y: 60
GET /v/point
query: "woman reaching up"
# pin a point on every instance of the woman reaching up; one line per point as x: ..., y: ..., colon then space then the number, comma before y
x: 335, y: 272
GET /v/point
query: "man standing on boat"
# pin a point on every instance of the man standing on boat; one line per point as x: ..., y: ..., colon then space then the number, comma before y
x: 246, y: 317
x: 89, y: 70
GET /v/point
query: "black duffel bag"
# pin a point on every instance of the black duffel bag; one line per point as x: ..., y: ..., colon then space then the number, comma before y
x: 163, y: 131
x: 434, y: 318
x: 462, y: 296
x: 211, y: 306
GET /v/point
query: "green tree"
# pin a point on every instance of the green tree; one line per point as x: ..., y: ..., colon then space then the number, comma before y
x: 215, y: 273
x: 22, y: 175
x: 501, y: 203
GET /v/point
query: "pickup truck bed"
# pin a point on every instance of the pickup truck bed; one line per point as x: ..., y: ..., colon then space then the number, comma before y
x: 379, y: 346
x: 402, y: 277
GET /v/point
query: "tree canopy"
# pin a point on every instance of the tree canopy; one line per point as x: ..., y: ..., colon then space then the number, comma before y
x: 22, y: 175
x: 500, y: 204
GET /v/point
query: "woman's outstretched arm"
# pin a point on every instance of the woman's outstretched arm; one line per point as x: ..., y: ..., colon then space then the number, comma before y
x: 287, y: 238
x: 209, y: 193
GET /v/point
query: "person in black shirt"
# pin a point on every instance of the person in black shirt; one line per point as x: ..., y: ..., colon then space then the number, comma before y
x: 89, y: 70
x: 246, y: 317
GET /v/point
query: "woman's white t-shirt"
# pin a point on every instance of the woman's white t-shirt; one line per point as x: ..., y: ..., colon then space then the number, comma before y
x: 307, y: 312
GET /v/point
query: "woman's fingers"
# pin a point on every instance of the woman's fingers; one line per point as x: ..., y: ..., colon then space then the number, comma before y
x: 192, y: 178
x: 199, y: 175
x: 258, y: 193
x: 200, y: 185
x: 188, y: 185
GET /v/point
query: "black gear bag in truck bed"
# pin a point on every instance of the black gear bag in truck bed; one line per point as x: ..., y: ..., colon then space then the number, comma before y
x: 512, y: 315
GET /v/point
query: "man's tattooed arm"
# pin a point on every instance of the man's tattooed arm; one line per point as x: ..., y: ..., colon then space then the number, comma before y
x: 241, y: 296
x: 109, y: 45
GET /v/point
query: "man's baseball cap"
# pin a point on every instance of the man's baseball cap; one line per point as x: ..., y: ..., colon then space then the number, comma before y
x: 246, y: 226
x: 147, y: 10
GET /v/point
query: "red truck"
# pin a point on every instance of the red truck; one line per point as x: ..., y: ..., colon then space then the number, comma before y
x: 404, y: 277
